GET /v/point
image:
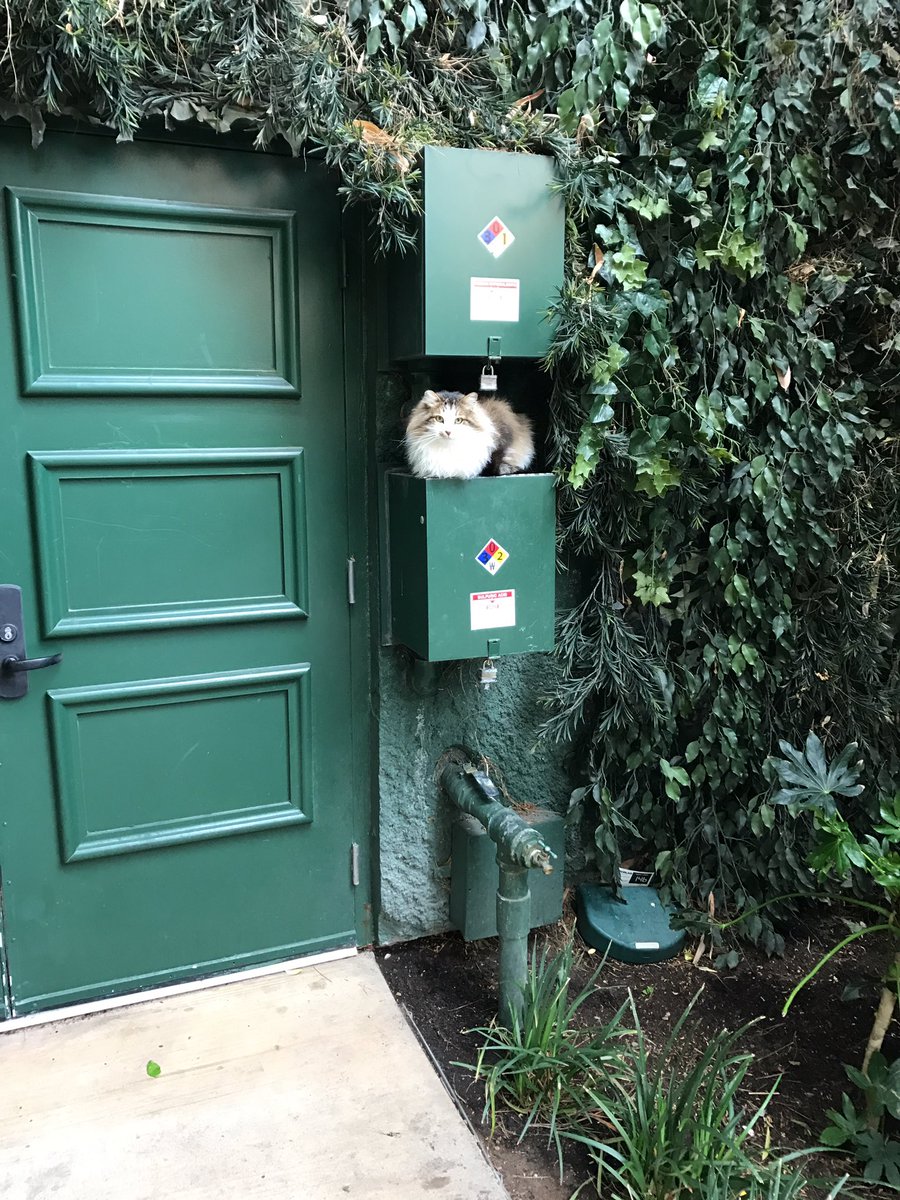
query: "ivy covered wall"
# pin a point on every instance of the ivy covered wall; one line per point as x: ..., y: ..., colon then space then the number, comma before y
x: 727, y: 368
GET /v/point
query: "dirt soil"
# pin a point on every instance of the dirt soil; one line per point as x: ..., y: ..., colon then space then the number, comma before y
x: 447, y: 987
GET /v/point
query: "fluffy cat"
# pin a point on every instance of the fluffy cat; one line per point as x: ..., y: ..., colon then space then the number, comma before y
x: 452, y: 436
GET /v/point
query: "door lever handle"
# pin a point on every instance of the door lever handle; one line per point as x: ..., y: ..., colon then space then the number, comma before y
x: 14, y: 665
x: 14, y: 661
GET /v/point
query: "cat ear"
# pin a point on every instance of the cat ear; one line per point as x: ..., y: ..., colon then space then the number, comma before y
x: 432, y: 399
x: 470, y: 398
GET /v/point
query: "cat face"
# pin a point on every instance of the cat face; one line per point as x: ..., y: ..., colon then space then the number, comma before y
x: 449, y: 436
x: 449, y: 416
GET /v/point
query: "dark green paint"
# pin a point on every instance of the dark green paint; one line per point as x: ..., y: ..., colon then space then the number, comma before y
x: 362, y: 534
x: 437, y: 528
x: 413, y: 731
x: 241, y: 742
x: 513, y: 927
x: 195, y: 755
x: 464, y: 190
x: 474, y: 876
x: 520, y: 848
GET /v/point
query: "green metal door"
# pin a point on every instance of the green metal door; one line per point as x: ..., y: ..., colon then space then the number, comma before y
x: 175, y: 796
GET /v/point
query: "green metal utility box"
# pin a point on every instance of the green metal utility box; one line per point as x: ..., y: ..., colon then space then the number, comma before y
x: 472, y: 565
x: 489, y: 260
x: 474, y: 875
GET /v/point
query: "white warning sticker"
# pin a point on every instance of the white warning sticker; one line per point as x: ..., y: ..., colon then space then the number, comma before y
x: 493, y: 299
x: 492, y: 610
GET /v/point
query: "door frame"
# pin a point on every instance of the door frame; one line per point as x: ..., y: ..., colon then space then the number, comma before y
x: 354, y: 364
x: 362, y: 545
x: 5, y: 990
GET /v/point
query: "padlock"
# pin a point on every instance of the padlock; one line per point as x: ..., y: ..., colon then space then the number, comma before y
x: 488, y: 379
x: 488, y: 673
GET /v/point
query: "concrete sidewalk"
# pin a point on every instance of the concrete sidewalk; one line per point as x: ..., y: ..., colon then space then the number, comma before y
x: 301, y: 1086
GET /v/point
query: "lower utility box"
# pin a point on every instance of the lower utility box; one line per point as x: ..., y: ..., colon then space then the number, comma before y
x: 474, y: 876
x: 472, y: 565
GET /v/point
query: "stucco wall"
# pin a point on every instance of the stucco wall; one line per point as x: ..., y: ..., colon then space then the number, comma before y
x: 414, y: 730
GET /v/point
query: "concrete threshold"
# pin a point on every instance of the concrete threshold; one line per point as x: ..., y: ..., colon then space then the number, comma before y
x: 297, y: 1086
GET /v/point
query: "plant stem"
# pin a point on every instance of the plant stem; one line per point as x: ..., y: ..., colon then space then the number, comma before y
x: 883, y: 1015
x: 887, y: 927
x: 885, y: 1010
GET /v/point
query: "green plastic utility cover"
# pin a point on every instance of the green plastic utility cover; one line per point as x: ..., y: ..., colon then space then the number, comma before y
x: 633, y: 929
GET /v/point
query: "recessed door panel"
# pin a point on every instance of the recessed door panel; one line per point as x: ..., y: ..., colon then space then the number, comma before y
x: 239, y: 743
x: 198, y: 536
x: 92, y: 271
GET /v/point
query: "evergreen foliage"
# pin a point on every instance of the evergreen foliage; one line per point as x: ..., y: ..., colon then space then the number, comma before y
x: 726, y: 417
x: 725, y: 373
x: 309, y: 74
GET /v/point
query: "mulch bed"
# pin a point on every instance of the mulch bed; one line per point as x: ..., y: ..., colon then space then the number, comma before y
x: 447, y: 987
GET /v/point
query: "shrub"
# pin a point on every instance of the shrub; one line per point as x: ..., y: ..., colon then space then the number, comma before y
x: 545, y: 1066
x: 674, y: 1125
x: 724, y: 424
x: 811, y: 785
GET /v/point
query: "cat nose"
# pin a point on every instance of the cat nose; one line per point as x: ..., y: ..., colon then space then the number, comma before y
x: 448, y: 432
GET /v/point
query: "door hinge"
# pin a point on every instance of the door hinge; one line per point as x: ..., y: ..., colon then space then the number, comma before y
x: 351, y: 580
x: 354, y: 863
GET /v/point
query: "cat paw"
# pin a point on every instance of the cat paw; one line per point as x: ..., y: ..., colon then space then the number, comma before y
x: 506, y: 469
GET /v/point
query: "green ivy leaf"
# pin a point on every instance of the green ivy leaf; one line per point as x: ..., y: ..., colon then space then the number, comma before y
x: 712, y: 93
x: 621, y: 94
x: 710, y: 141
x: 796, y: 299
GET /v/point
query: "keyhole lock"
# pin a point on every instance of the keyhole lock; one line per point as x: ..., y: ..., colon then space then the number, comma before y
x: 15, y: 666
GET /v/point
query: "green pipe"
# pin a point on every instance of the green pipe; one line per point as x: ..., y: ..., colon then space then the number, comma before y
x: 519, y: 847
x: 513, y: 926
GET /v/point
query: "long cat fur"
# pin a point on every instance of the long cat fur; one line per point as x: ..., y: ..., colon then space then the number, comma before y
x: 454, y: 436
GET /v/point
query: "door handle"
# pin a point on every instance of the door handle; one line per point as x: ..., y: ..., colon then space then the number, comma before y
x: 15, y: 665
x: 14, y: 661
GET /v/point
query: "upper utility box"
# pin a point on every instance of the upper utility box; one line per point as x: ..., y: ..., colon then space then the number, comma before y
x: 472, y: 565
x: 489, y: 260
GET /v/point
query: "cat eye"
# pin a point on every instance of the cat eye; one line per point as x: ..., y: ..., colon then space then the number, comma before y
x: 459, y: 420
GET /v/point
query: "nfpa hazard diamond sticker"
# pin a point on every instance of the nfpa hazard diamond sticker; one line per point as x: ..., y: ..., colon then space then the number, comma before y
x: 492, y: 557
x: 496, y: 237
